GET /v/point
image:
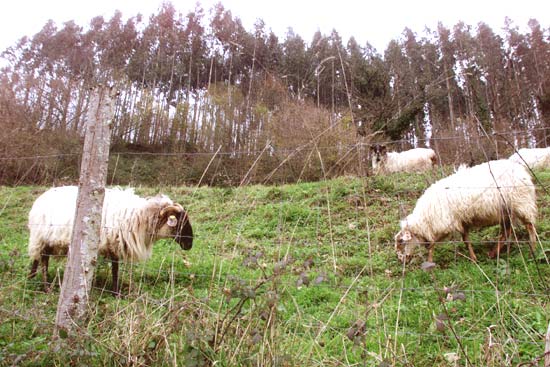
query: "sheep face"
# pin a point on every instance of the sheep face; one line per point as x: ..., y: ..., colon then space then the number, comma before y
x: 405, y: 243
x: 174, y: 223
x: 378, y: 154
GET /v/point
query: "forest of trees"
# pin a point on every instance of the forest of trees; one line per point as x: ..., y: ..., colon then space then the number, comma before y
x: 199, y: 90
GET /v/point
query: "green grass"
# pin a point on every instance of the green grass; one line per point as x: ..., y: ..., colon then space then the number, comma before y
x: 291, y: 275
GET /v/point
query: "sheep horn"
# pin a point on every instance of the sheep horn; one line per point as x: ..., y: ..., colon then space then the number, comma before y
x: 176, y: 208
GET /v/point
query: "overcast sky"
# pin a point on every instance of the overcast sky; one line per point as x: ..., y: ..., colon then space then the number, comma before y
x: 377, y: 21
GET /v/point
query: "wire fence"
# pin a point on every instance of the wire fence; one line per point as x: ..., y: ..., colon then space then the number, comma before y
x: 329, y: 252
x: 325, y: 283
x: 312, y: 160
x: 272, y: 149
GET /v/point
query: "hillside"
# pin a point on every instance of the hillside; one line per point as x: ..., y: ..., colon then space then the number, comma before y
x: 196, y: 87
x: 294, y: 275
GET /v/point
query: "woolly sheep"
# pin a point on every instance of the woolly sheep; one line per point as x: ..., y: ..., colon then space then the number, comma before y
x: 413, y: 160
x: 130, y: 226
x: 535, y: 158
x: 496, y: 192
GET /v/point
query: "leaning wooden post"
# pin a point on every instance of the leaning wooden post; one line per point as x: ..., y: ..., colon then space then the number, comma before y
x: 81, y: 261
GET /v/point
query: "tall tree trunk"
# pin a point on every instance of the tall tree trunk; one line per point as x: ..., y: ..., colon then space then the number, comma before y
x: 65, y: 109
x: 449, y: 96
x: 78, y: 110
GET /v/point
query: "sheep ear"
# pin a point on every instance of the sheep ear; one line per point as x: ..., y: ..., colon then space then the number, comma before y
x: 172, y: 221
x: 407, y: 236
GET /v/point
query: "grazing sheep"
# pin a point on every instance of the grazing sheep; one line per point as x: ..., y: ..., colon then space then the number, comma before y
x: 496, y: 192
x: 130, y: 226
x: 535, y: 158
x: 414, y: 160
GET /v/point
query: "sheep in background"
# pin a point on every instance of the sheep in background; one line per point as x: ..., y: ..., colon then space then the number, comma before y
x: 496, y: 192
x: 535, y: 158
x: 414, y: 160
x: 130, y: 226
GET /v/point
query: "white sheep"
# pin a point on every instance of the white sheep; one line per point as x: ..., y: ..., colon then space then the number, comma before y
x: 535, y: 158
x: 495, y: 192
x: 413, y: 160
x: 130, y: 226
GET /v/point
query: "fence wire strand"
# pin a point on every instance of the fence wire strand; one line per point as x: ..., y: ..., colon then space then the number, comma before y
x: 220, y: 277
x: 275, y: 150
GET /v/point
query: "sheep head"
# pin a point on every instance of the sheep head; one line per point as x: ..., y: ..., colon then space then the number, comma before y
x: 405, y: 243
x: 378, y: 149
x: 378, y: 154
x: 174, y: 223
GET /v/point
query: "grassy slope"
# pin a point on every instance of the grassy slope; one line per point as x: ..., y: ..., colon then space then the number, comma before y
x: 291, y: 275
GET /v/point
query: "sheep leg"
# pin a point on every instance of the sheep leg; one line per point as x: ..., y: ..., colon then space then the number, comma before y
x: 114, y: 272
x: 45, y: 260
x: 506, y: 232
x: 431, y: 252
x: 466, y: 239
x: 34, y: 269
x: 532, y: 237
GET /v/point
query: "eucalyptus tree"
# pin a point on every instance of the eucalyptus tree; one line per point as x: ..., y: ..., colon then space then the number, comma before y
x: 470, y: 78
x: 490, y: 59
x: 295, y: 64
x: 370, y: 87
x: 537, y: 67
x: 446, y: 49
x: 406, y: 105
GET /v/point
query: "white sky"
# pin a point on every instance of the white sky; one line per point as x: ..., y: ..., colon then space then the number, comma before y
x: 377, y: 21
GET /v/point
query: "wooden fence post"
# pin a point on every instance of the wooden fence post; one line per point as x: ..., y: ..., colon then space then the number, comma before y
x: 82, y: 256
